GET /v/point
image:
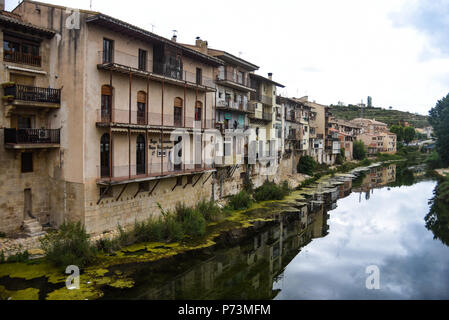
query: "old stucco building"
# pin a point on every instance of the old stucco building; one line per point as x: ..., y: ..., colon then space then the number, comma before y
x: 119, y: 93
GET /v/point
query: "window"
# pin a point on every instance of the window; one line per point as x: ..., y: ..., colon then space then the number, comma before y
x: 142, y: 60
x: 141, y: 107
x: 21, y: 51
x: 108, y: 51
x: 198, y: 110
x: 240, y: 77
x: 105, y: 156
x: 140, y: 155
x: 199, y: 76
x: 106, y: 103
x: 106, y: 192
x: 24, y: 122
x: 27, y: 162
x: 144, y: 186
x: 177, y: 112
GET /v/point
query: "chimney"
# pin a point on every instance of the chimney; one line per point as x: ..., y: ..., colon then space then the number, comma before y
x: 202, y: 45
x: 270, y: 76
x: 2, y: 5
x: 174, y: 38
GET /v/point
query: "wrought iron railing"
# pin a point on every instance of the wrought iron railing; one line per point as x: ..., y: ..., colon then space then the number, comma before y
x: 32, y: 136
x: 34, y: 94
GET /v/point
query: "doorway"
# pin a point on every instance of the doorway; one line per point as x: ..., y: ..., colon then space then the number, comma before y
x: 27, y: 207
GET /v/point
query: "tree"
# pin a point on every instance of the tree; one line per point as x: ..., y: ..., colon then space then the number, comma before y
x: 409, y: 134
x: 439, y: 119
x: 359, y: 151
x: 399, y: 131
x: 306, y: 165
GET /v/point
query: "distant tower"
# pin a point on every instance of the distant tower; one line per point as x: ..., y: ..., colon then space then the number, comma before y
x: 362, y: 110
x: 370, y: 102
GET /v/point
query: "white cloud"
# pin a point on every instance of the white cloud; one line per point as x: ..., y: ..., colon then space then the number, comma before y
x: 330, y: 50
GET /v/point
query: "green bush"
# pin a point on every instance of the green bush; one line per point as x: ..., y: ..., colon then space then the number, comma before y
x: 366, y: 162
x: 209, y: 210
x: 193, y: 222
x: 306, y: 165
x: 358, y: 150
x: 2, y: 235
x: 69, y: 246
x: 2, y: 257
x: 433, y: 161
x: 108, y: 246
x: 240, y: 201
x: 175, y: 231
x: 271, y: 191
x: 19, y: 257
x: 153, y: 229
x: 339, y: 160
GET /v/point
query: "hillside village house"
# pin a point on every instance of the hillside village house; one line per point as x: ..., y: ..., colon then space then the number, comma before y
x: 376, y: 136
x: 347, y: 134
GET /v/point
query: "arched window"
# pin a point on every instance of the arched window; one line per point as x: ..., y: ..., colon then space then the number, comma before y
x: 177, y: 112
x: 141, y: 107
x: 106, y: 103
x: 198, y: 111
x: 105, y: 154
x: 140, y: 155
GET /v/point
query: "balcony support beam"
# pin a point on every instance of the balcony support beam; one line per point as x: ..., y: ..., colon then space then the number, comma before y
x: 201, y: 175
x: 103, y: 194
x: 121, y: 192
x: 154, y: 187
x: 207, y: 178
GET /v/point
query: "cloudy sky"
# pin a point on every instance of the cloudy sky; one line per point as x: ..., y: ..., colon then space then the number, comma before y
x: 393, y: 50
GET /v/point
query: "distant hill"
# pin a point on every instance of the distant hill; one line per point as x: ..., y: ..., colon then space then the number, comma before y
x: 389, y: 117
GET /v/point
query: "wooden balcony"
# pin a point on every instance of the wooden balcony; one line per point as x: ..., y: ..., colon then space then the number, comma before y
x: 32, y: 138
x: 22, y: 58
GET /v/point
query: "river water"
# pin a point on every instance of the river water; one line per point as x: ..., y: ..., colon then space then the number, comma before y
x: 368, y: 235
x: 320, y: 252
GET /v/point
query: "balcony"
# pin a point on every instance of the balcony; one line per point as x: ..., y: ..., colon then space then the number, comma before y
x: 32, y: 96
x: 138, y: 173
x: 126, y: 63
x: 232, y: 105
x: 22, y: 58
x: 125, y: 118
x: 234, y: 81
x: 267, y: 100
x: 290, y: 116
x: 264, y: 116
x: 32, y: 138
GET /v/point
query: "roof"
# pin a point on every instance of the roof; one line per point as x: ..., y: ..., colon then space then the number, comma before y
x: 295, y: 101
x: 259, y: 77
x: 131, y: 30
x: 125, y: 28
x: 227, y: 57
x: 14, y: 21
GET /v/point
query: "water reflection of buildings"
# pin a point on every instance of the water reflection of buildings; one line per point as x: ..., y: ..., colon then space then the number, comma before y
x: 376, y: 178
x: 248, y: 264
x: 245, y: 271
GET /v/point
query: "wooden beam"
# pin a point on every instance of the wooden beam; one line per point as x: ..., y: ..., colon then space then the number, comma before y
x: 102, y: 195
x: 201, y: 175
x: 154, y: 187
x: 208, y: 178
x: 123, y: 190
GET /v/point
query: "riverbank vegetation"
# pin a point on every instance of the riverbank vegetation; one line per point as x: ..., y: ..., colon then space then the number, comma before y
x: 439, y: 119
x: 438, y: 218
